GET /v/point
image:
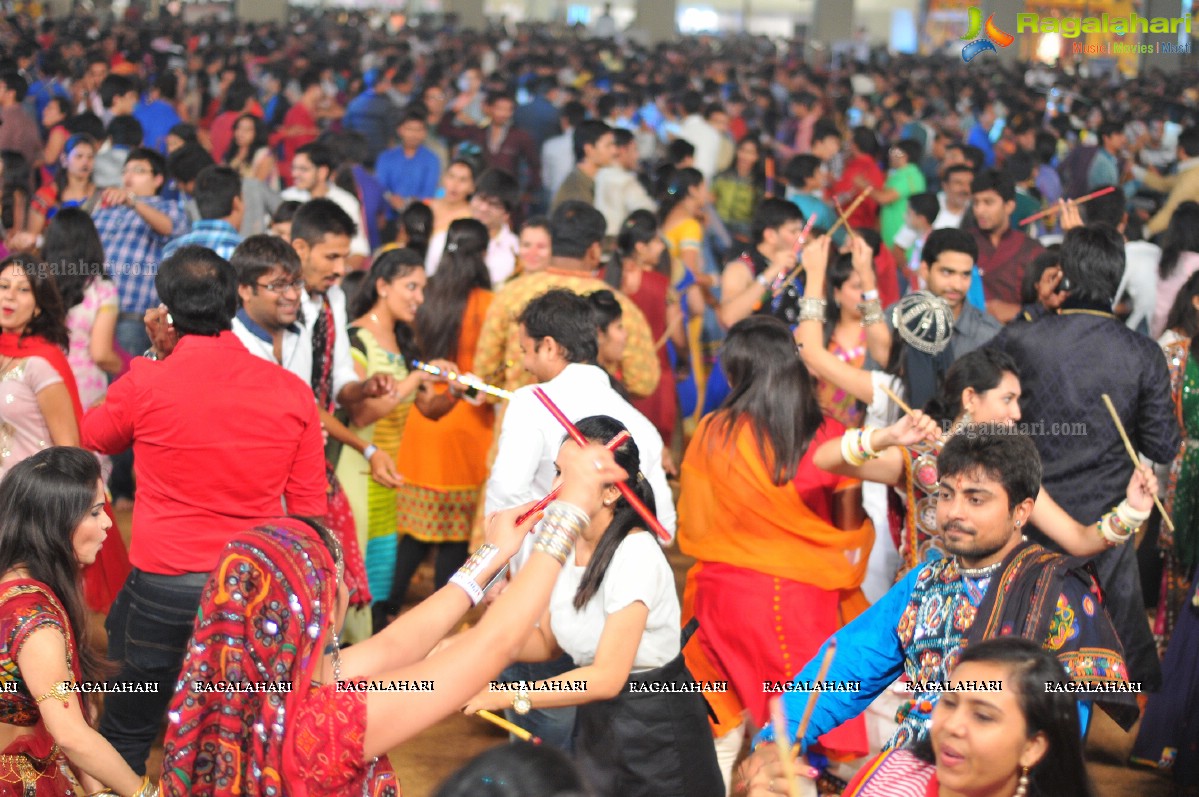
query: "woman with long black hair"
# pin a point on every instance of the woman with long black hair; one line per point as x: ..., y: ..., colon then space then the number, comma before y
x: 382, y: 340
x: 52, y: 523
x: 444, y: 462
x: 615, y: 611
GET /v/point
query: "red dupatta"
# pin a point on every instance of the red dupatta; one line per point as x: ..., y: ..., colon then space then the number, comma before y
x: 103, y: 578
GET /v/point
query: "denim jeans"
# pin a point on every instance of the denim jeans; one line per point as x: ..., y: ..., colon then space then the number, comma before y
x: 555, y: 726
x: 149, y: 626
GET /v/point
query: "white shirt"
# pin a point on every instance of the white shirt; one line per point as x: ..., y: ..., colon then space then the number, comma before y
x: 343, y: 365
x: 347, y: 202
x: 883, y: 563
x: 947, y: 218
x: 297, y: 345
x: 557, y: 160
x: 701, y: 135
x: 638, y: 571
x: 501, y: 256
x: 530, y: 438
x: 1141, y: 260
x: 618, y: 193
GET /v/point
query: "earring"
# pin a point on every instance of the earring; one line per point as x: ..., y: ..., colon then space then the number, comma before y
x: 608, y: 502
x: 336, y: 656
x: 1019, y: 523
x: 1022, y: 785
x: 967, y: 418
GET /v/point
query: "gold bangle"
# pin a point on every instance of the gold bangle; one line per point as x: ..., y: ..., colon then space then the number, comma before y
x: 60, y: 691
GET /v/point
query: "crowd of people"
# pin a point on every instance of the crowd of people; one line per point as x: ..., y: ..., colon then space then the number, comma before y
x: 899, y: 352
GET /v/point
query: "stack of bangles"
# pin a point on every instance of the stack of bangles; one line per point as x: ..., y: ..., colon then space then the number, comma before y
x: 855, y: 446
x: 147, y: 790
x: 1118, y: 526
x: 871, y: 308
x: 812, y: 309
x: 562, y: 525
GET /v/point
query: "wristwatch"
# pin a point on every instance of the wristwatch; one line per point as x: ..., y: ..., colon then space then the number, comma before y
x: 521, y: 703
x: 150, y: 354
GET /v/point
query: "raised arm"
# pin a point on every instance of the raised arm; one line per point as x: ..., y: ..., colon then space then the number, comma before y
x: 888, y: 466
x: 1079, y: 540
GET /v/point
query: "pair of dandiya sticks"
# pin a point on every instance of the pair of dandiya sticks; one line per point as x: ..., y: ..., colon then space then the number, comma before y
x: 638, y: 505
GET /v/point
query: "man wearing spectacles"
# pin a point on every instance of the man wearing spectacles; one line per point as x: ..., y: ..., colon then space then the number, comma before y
x: 218, y: 198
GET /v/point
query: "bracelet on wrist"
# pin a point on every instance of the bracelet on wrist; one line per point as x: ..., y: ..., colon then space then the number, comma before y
x: 872, y: 311
x: 370, y: 450
x: 812, y: 309
x: 869, y: 295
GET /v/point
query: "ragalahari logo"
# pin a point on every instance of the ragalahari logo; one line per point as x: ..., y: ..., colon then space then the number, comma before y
x: 994, y: 36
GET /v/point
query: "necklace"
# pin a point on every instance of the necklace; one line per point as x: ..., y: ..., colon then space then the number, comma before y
x: 979, y: 572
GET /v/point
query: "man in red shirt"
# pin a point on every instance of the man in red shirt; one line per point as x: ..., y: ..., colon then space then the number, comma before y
x: 223, y: 440
x: 861, y: 171
x: 299, y: 124
x: 1003, y: 253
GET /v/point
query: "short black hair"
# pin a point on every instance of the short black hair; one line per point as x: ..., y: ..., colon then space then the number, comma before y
x: 498, y: 184
x: 800, y: 169
x: 321, y: 154
x: 825, y: 128
x: 622, y: 137
x: 258, y: 254
x: 567, y: 318
x: 186, y: 163
x: 949, y: 239
x: 771, y: 214
x: 691, y: 102
x: 575, y: 227
x: 999, y: 452
x: 970, y: 153
x: 1109, y: 128
x: 574, y: 112
x: 679, y: 150
x: 994, y: 180
x: 1107, y: 209
x: 12, y: 79
x: 912, y: 148
x: 926, y: 205
x: 586, y: 134
x: 317, y: 218
x: 199, y: 288
x: 113, y: 86
x: 955, y: 169
x: 1093, y: 263
x: 125, y: 131
x: 158, y: 164
x: 1045, y: 146
x: 865, y: 140
x: 1188, y: 139
x: 1019, y: 166
x: 216, y: 188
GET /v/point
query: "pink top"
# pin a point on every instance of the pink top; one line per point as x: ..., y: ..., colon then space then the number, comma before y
x: 100, y: 295
x: 1167, y: 290
x: 23, y: 430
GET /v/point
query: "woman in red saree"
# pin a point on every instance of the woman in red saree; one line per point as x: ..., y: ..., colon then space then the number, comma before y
x: 781, y: 546
x: 52, y: 522
x: 33, y: 335
x: 310, y: 725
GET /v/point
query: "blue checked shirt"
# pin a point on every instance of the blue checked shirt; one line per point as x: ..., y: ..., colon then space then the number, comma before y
x: 132, y: 250
x: 217, y: 234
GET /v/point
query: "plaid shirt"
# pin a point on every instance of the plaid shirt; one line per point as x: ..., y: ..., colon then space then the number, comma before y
x: 133, y: 251
x: 217, y: 234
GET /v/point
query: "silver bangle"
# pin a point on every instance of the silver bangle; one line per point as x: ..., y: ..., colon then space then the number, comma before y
x: 812, y: 309
x: 562, y: 525
x: 872, y: 311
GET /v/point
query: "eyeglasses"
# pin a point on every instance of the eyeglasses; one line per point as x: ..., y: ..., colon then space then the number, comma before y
x: 137, y: 170
x: 281, y: 287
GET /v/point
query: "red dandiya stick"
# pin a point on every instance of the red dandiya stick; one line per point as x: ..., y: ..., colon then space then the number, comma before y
x: 625, y: 489
x: 1079, y: 201
x: 781, y: 285
x: 612, y: 445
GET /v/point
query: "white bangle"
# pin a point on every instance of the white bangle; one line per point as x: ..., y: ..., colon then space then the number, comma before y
x: 370, y: 451
x: 1131, y: 517
x: 468, y: 585
x: 868, y: 295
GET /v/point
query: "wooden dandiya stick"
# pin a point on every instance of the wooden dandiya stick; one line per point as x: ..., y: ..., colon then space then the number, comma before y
x: 829, y: 653
x: 613, y: 444
x: 778, y: 718
x: 510, y: 727
x: 1132, y: 454
x: 781, y: 285
x: 462, y: 379
x: 650, y: 520
x: 898, y: 401
x: 1056, y: 208
x: 852, y: 207
x: 843, y: 218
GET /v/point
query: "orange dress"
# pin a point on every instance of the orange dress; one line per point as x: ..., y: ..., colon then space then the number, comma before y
x: 444, y: 462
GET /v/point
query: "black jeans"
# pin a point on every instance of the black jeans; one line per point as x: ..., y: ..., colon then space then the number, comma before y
x: 149, y: 626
